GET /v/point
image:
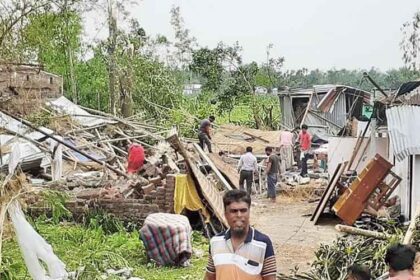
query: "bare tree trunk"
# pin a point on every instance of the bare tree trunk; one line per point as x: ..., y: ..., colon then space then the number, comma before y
x: 126, y: 100
x: 73, y: 88
x: 111, y: 51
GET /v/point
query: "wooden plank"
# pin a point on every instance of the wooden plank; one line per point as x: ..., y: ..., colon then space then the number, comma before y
x: 210, y: 192
x: 328, y: 192
x: 226, y: 169
x: 354, y: 200
x: 256, y: 137
x: 213, y: 167
x: 307, y: 110
x: 355, y: 151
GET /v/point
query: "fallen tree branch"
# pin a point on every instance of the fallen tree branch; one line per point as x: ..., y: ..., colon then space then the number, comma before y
x: 359, y: 231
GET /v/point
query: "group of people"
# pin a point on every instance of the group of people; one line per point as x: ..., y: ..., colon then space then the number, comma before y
x: 244, y: 253
x: 275, y: 164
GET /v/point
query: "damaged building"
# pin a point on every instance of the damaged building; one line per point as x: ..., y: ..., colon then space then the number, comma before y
x: 389, y: 136
x: 324, y: 108
x: 26, y: 86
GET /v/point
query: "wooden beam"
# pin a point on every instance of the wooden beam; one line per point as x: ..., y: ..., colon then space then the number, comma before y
x: 230, y: 172
x: 255, y: 136
x: 216, y: 171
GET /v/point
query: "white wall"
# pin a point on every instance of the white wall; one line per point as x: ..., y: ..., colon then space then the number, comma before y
x: 401, y: 168
x: 340, y: 149
x: 415, y: 184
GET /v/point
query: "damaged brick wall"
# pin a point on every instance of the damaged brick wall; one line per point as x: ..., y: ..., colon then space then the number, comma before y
x: 153, y: 199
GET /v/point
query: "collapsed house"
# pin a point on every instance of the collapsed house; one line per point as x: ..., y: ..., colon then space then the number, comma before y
x: 388, y: 139
x: 325, y: 109
x: 84, y: 153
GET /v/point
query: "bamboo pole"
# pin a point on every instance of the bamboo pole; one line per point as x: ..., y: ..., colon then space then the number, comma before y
x: 110, y: 167
x: 359, y: 231
x: 412, y: 227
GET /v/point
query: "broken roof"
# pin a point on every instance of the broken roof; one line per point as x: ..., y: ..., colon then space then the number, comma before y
x: 63, y: 105
x: 407, y: 87
x: 235, y: 139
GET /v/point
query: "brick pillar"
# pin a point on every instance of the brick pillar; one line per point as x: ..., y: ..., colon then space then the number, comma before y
x: 170, y: 190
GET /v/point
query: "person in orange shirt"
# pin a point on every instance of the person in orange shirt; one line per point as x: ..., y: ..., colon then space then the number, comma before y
x: 400, y: 259
x: 305, y: 139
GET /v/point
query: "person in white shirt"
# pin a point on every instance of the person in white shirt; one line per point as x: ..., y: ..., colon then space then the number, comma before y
x: 246, y: 168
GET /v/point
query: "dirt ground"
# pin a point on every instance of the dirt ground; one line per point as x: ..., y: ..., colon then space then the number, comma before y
x: 294, y: 237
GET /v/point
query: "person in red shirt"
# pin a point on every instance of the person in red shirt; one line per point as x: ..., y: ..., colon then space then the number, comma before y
x: 136, y: 158
x: 305, y: 140
x: 400, y: 259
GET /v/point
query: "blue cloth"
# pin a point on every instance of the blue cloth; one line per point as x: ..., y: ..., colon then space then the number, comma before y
x: 271, y: 185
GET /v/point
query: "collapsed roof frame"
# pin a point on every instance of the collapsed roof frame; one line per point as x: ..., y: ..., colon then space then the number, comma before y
x: 324, y: 108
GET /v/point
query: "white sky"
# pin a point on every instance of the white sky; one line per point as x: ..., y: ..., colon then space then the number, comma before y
x: 353, y: 34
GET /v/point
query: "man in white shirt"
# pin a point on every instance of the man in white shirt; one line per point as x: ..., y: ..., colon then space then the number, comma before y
x: 246, y: 168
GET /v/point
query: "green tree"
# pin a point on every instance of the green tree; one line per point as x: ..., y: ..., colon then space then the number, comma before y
x: 54, y: 39
x: 208, y: 64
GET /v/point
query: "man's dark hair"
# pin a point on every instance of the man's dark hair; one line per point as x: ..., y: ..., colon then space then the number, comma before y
x: 236, y: 196
x: 400, y: 257
x: 268, y: 149
x: 212, y: 118
x: 249, y: 149
x: 359, y: 272
x: 304, y: 126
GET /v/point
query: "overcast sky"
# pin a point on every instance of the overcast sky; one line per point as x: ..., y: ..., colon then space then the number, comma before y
x: 321, y: 34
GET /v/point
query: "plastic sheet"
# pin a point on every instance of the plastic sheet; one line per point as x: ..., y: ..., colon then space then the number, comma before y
x: 34, y: 248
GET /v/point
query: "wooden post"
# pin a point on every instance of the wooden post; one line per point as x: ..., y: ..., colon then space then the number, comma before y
x: 112, y: 23
x: 200, y: 151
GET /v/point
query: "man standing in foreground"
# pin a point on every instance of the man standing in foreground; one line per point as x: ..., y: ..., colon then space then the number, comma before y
x: 305, y: 140
x: 204, y: 133
x: 247, y: 167
x: 241, y: 252
x: 272, y: 172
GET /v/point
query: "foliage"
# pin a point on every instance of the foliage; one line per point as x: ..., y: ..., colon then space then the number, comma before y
x: 13, y: 18
x: 303, y: 78
x: 410, y: 44
x: 184, y: 42
x: 208, y: 64
x: 96, y: 251
x: 333, y: 260
x: 55, y: 201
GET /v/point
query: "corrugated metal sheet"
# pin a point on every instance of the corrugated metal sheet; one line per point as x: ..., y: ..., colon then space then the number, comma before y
x: 336, y: 112
x: 30, y: 155
x: 286, y: 111
x: 403, y: 129
x: 63, y: 105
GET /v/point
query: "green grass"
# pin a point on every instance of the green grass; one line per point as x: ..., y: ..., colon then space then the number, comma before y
x: 96, y: 251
